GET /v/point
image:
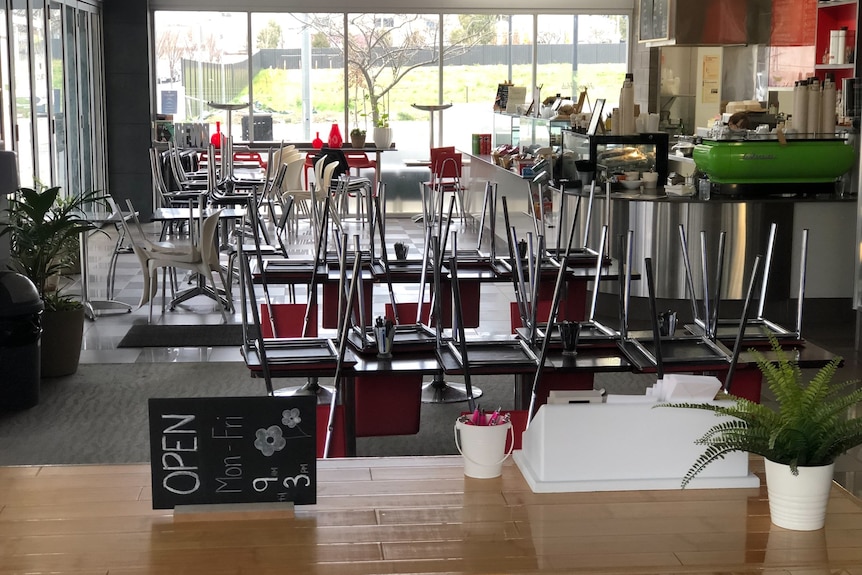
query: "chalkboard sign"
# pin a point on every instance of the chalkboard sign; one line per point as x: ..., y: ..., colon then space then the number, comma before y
x: 654, y: 20
x: 206, y: 450
x: 501, y: 100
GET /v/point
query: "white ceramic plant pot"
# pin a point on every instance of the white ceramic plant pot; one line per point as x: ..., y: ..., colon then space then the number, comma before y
x: 382, y: 137
x: 798, y: 502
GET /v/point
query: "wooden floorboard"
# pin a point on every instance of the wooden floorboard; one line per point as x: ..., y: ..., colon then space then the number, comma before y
x: 416, y: 516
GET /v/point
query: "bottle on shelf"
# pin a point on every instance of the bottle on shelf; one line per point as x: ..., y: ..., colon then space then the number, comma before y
x: 800, y: 107
x: 814, y: 99
x: 317, y: 143
x: 827, y: 106
x: 842, y: 46
x: 627, y: 107
x: 832, y: 58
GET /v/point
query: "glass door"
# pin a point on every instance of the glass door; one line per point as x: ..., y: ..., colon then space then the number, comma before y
x: 57, y: 95
x: 39, y: 101
x: 6, y: 124
x: 85, y: 101
x: 23, y: 142
x: 70, y: 76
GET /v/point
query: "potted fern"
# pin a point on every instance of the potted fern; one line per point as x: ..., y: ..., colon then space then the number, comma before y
x: 44, y: 230
x: 800, y: 436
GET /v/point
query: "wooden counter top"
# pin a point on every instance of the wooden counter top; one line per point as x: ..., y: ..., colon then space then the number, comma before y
x: 410, y: 515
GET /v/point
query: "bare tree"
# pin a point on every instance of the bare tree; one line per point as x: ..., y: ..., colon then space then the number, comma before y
x: 382, y: 49
x: 171, y: 48
x: 212, y: 47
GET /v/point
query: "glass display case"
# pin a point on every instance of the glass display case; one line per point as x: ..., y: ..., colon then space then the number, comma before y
x: 608, y: 155
x: 528, y: 131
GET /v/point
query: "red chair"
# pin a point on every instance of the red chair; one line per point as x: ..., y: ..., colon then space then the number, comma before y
x: 387, y: 405
x: 446, y: 172
x: 248, y: 159
x: 360, y: 161
x: 407, y: 313
x: 289, y: 318
x: 436, y: 152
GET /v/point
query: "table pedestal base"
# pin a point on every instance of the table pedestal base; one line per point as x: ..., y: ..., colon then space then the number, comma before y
x: 441, y: 391
x: 324, y: 393
x: 92, y: 308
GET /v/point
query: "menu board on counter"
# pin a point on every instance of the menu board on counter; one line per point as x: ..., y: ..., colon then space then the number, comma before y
x: 794, y: 23
x: 654, y: 20
x: 210, y: 450
x: 501, y: 100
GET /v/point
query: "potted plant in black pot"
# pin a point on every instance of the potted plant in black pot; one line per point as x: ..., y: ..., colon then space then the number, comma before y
x: 44, y: 231
x: 800, y: 435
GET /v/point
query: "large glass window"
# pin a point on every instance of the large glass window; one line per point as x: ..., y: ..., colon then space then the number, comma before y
x: 394, y: 63
x: 281, y: 71
x: 313, y: 74
x: 475, y: 63
x: 202, y: 57
x: 310, y: 71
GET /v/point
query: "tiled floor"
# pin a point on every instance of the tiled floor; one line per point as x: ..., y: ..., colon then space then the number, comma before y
x: 102, y: 335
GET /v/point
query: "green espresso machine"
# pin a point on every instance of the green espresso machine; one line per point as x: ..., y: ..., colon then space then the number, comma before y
x: 772, y: 165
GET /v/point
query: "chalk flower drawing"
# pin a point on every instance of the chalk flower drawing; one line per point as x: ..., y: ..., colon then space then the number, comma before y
x: 269, y: 440
x: 290, y: 417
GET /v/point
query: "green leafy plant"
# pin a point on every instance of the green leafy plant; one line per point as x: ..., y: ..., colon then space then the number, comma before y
x: 357, y: 132
x: 44, y: 230
x: 382, y: 120
x: 808, y: 426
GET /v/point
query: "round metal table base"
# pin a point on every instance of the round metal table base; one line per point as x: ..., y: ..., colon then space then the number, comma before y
x: 324, y: 393
x: 440, y: 391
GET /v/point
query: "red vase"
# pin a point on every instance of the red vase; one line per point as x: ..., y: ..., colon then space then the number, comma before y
x: 216, y: 138
x: 317, y: 143
x: 335, y: 139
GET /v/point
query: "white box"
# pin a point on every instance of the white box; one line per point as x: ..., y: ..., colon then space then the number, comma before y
x: 619, y: 447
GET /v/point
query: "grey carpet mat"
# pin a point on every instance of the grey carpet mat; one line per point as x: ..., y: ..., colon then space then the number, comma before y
x: 145, y: 335
x: 99, y: 414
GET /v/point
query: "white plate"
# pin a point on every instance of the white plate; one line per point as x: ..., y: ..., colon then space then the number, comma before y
x: 679, y: 190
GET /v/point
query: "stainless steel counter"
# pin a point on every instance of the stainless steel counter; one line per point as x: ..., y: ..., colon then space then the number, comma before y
x: 655, y: 223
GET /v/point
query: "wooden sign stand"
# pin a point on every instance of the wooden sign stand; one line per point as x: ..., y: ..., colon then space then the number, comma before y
x: 582, y: 97
x: 233, y: 512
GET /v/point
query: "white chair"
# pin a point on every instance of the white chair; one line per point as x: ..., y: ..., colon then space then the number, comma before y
x: 202, y: 258
x: 292, y: 185
x: 143, y: 248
